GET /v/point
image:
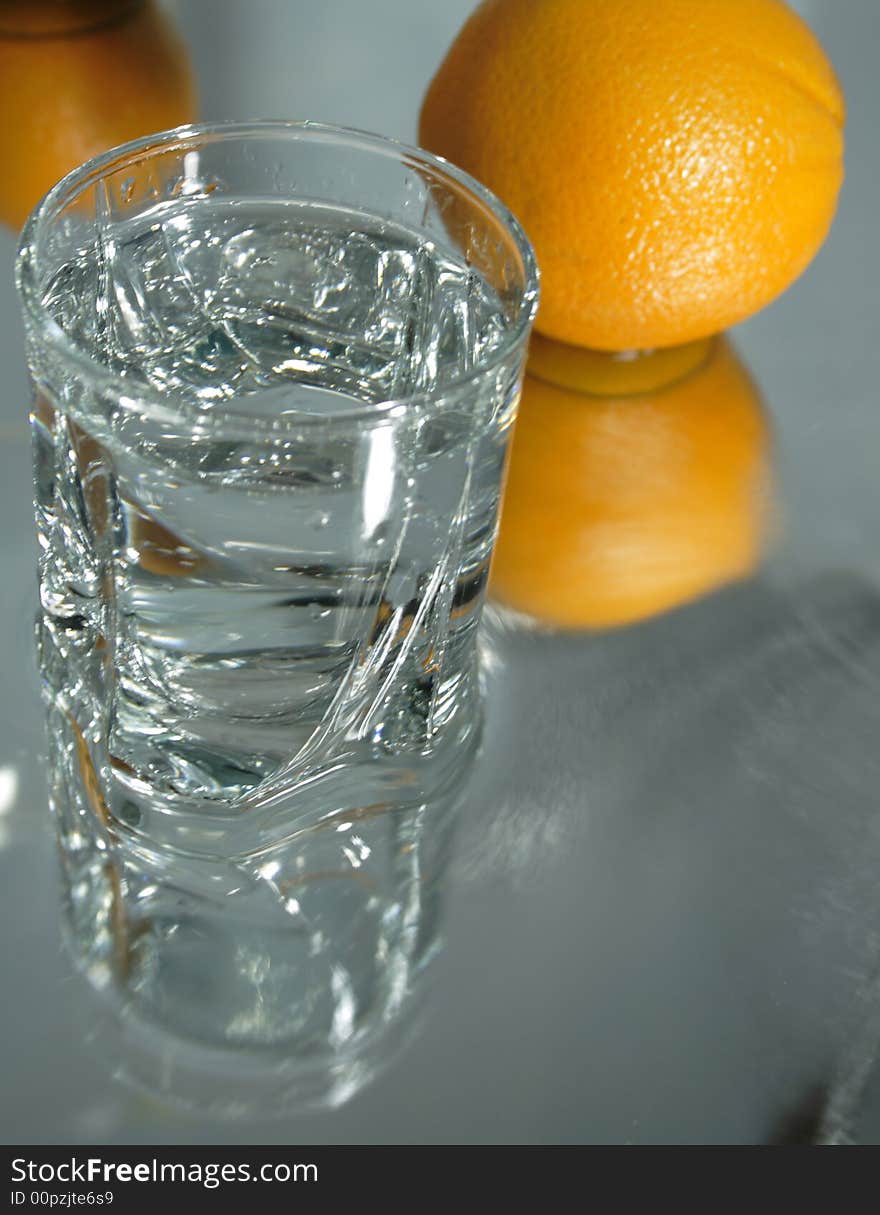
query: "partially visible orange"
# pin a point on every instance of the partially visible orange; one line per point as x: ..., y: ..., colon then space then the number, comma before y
x: 675, y: 163
x: 617, y: 508
x: 77, y: 79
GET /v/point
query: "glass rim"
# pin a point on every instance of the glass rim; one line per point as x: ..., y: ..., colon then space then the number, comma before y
x: 92, y: 170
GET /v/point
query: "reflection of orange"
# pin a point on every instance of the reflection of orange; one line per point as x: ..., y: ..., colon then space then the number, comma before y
x: 675, y: 163
x: 90, y: 782
x: 600, y: 374
x: 159, y: 551
x: 620, y: 507
x: 116, y: 921
x: 66, y: 96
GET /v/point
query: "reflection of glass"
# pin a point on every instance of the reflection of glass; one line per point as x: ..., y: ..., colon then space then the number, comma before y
x: 624, y: 501
x: 272, y: 411
x: 78, y: 77
x: 242, y: 989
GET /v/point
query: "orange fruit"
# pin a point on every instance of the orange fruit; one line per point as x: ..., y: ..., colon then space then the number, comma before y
x: 676, y: 164
x: 76, y: 79
x: 617, y: 508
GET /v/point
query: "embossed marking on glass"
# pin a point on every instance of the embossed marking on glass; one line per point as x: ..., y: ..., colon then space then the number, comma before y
x: 275, y: 371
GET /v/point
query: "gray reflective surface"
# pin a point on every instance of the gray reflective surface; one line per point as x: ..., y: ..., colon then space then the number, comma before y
x: 664, y: 914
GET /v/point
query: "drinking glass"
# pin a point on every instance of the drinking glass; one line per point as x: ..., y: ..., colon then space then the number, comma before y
x: 275, y: 370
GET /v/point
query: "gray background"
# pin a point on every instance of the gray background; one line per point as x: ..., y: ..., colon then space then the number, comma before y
x: 664, y: 913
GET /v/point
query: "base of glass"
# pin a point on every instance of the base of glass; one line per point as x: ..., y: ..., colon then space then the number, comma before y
x: 236, y: 1083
